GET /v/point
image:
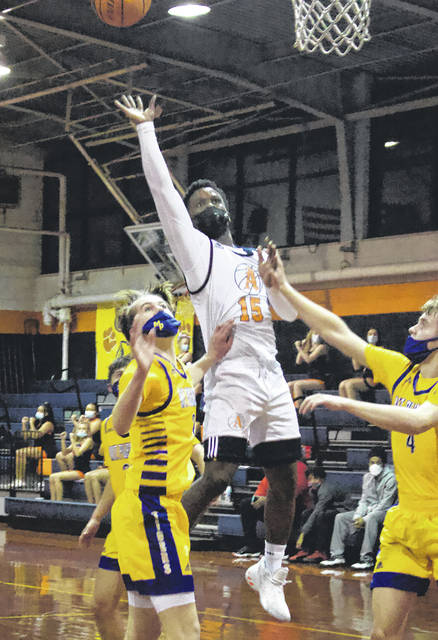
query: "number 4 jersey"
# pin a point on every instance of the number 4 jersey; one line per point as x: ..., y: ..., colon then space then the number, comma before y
x: 415, y: 457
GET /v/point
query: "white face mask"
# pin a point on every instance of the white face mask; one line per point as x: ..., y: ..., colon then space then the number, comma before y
x: 184, y: 347
x: 376, y: 469
x: 372, y: 339
x: 81, y: 433
x: 39, y: 415
x: 90, y: 414
x: 315, y: 338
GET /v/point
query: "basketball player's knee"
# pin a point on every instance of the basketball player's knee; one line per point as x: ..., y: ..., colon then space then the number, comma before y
x: 191, y: 629
x: 218, y: 478
x: 282, y: 482
x: 378, y: 633
x: 104, y: 607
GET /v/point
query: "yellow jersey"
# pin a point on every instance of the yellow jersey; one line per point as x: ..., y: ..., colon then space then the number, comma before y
x: 415, y: 457
x: 162, y: 432
x: 115, y: 454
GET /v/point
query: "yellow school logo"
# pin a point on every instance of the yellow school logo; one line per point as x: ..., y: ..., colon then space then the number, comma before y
x: 158, y: 325
x: 109, y: 339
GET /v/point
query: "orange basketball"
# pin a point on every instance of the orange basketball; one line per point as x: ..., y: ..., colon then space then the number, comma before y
x: 121, y: 13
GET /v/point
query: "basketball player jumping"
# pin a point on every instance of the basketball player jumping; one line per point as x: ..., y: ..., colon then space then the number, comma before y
x: 246, y: 395
x: 408, y: 557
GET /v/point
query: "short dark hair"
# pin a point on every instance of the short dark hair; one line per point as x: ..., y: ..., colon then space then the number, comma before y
x: 378, y: 452
x: 317, y: 472
x: 202, y: 183
x: 118, y: 363
x: 127, y: 299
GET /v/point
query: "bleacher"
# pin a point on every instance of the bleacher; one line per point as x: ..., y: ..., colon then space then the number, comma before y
x: 342, y: 440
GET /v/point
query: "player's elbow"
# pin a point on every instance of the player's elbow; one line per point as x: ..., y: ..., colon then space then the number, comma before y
x: 419, y: 426
x: 120, y: 426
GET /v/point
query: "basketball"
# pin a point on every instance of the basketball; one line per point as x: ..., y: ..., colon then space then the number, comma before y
x: 121, y: 13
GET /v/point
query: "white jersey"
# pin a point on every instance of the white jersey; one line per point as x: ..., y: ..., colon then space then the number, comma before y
x: 223, y: 281
x: 233, y: 289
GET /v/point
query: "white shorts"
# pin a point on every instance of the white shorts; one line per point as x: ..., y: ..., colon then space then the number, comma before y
x: 160, y: 603
x: 250, y: 401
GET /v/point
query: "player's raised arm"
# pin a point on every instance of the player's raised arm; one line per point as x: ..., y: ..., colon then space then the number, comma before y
x: 189, y: 246
x: 142, y: 349
x: 327, y: 324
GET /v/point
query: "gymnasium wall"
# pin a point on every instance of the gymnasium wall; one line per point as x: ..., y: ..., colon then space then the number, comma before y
x: 389, y: 308
x: 20, y: 254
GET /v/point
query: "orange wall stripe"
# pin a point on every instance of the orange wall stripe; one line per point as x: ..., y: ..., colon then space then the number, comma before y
x: 390, y: 298
x: 348, y: 301
x: 13, y: 322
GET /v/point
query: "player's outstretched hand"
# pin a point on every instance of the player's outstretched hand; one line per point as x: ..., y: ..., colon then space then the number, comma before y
x: 271, y: 267
x: 142, y: 344
x: 334, y: 403
x: 89, y: 532
x: 221, y: 340
x: 135, y: 111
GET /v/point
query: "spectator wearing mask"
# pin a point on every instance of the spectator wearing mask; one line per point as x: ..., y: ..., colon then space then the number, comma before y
x: 41, y: 430
x: 317, y: 522
x: 183, y: 347
x: 313, y: 354
x: 81, y: 448
x: 379, y: 493
x: 353, y: 387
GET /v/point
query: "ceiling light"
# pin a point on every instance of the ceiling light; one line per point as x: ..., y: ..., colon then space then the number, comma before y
x: 4, y: 68
x: 391, y: 143
x: 189, y: 9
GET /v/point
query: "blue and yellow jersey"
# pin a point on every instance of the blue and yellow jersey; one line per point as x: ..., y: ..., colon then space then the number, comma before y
x: 415, y: 457
x: 162, y: 433
x: 115, y: 454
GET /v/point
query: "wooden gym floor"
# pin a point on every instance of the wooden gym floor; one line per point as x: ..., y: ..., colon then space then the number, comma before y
x: 46, y: 586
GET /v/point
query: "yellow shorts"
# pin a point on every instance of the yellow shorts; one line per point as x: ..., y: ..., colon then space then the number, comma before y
x: 152, y: 536
x: 408, y: 556
x: 109, y: 558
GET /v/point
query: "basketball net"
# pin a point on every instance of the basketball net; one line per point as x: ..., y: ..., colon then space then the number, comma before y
x: 331, y: 25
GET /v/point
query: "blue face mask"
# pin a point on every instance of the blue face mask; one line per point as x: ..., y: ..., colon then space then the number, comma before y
x: 416, y: 350
x: 164, y: 324
x: 115, y: 388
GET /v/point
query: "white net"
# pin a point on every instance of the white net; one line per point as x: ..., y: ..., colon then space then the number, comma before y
x: 332, y: 26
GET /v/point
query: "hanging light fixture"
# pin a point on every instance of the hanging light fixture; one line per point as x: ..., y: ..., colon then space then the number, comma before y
x: 186, y: 9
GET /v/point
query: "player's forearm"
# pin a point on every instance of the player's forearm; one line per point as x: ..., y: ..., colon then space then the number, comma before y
x: 129, y: 402
x: 105, y: 503
x: 387, y: 417
x: 199, y: 368
x: 281, y: 305
x: 177, y: 225
x: 327, y: 324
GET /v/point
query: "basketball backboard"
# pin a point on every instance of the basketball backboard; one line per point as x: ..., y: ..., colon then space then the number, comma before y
x: 150, y: 240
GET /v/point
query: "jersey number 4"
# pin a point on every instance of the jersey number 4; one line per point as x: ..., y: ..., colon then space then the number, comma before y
x: 410, y: 442
x: 253, y: 307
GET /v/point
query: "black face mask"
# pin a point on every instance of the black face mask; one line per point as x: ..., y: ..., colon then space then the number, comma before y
x: 212, y: 221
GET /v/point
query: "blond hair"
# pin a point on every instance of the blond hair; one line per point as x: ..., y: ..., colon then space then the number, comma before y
x: 430, y: 306
x: 126, y: 304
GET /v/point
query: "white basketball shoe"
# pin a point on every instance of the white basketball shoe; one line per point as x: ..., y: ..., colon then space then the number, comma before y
x: 270, y: 587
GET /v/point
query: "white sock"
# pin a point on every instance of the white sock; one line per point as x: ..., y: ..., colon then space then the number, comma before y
x: 274, y: 554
